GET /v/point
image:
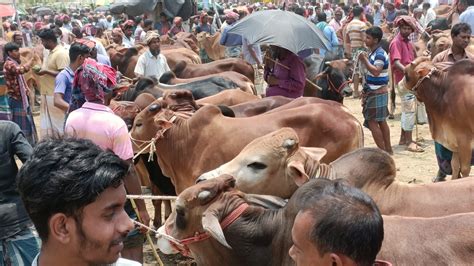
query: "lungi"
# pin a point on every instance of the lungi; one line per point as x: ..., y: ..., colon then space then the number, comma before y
x: 375, y: 105
x: 51, y: 118
x: 24, y: 119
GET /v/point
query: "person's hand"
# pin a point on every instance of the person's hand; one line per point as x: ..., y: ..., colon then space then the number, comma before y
x: 145, y: 218
x: 272, y: 80
x: 363, y: 56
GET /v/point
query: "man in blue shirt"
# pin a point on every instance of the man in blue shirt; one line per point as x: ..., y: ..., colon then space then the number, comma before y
x: 78, y: 52
x: 375, y: 93
x: 329, y: 33
x: 468, y: 15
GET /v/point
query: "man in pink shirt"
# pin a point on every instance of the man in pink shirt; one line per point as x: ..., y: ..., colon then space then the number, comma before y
x: 402, y: 53
x: 97, y: 122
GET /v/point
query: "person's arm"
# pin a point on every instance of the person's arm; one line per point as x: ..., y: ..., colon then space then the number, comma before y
x: 59, y: 101
x: 17, y: 70
x: 395, y: 57
x: 223, y: 37
x: 167, y: 67
x: 375, y: 69
x: 20, y: 146
x: 296, y: 79
x: 48, y: 72
x: 253, y: 54
x: 140, y: 67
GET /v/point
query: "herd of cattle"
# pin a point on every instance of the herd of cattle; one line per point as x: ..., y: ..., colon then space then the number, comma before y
x: 204, y: 122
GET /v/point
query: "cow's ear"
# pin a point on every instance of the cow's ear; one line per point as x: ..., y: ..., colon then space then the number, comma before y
x: 297, y: 172
x: 422, y: 72
x: 315, y: 153
x: 210, y: 222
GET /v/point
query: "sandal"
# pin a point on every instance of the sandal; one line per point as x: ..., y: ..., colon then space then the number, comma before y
x: 413, y: 147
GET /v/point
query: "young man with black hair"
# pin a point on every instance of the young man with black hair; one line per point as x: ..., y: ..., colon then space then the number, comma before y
x: 19, y: 110
x: 375, y: 92
x: 74, y: 193
x: 19, y: 242
x: 51, y: 117
x: 339, y: 225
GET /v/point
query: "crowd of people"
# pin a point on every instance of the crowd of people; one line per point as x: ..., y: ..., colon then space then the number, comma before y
x: 70, y: 206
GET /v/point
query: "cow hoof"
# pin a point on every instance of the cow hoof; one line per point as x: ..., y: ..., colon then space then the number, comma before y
x: 440, y: 177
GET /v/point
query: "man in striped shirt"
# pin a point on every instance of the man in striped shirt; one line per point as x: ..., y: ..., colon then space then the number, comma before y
x: 375, y: 93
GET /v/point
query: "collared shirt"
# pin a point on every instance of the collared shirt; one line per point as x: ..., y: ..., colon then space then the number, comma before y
x: 428, y: 17
x: 98, y: 123
x: 468, y: 16
x: 127, y: 43
x: 13, y: 216
x: 63, y: 83
x: 402, y: 50
x: 447, y: 56
x: 12, y: 71
x: 291, y: 80
x: 57, y: 60
x: 335, y: 25
x: 330, y: 35
x: 149, y: 65
x: 378, y: 58
x: 377, y: 17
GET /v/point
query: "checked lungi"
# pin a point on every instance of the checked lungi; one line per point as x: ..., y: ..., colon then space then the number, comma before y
x: 24, y: 119
x: 375, y: 105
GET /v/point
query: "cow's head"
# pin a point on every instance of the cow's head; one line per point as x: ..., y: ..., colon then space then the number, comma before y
x: 199, y: 211
x: 415, y: 71
x: 180, y: 100
x: 336, y: 72
x: 125, y: 110
x: 273, y: 164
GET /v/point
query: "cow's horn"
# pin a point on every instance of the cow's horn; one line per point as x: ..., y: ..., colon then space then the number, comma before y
x: 289, y: 143
x: 211, y: 224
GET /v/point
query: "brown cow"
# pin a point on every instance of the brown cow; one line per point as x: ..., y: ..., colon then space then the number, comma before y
x: 449, y: 101
x: 314, y: 123
x: 242, y: 81
x: 174, y: 56
x: 228, y: 98
x: 283, y: 165
x: 185, y: 70
x: 211, y: 45
x: 256, y: 235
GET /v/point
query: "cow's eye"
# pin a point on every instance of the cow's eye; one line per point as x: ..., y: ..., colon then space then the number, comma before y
x: 180, y: 219
x: 257, y: 166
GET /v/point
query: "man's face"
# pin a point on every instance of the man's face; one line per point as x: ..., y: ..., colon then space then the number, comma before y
x: 338, y: 16
x: 128, y: 32
x: 462, y: 40
x: 15, y: 54
x: 154, y: 46
x: 304, y: 252
x: 48, y: 44
x: 104, y: 225
x: 66, y: 21
x: 405, y: 31
x: 369, y: 40
x: 18, y: 40
x: 117, y: 38
x: 109, y: 19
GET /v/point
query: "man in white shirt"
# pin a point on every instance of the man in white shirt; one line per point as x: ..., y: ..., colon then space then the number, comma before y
x: 428, y: 14
x: 152, y: 63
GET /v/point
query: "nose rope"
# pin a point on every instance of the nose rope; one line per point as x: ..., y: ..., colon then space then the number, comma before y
x: 166, y: 236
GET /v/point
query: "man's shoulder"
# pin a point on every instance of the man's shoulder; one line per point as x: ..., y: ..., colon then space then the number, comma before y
x: 9, y: 127
x: 440, y: 57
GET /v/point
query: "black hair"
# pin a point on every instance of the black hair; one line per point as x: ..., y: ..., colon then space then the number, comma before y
x: 76, y: 50
x: 426, y: 5
x: 58, y: 23
x: 65, y: 175
x: 138, y: 20
x: 375, y: 32
x: 77, y: 32
x: 147, y: 22
x: 322, y: 17
x: 405, y: 7
x: 346, y: 220
x: 460, y: 27
x: 48, y: 34
x: 13, y: 26
x: 468, y: 2
x: 357, y: 11
x: 11, y: 46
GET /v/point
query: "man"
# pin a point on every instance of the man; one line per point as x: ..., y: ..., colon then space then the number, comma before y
x: 428, y: 15
x: 375, y: 92
x: 127, y: 28
x: 354, y: 35
x: 204, y: 25
x: 51, y: 117
x: 67, y: 22
x: 74, y: 193
x: 253, y: 55
x: 402, y: 53
x: 117, y: 37
x: 461, y: 36
x: 284, y: 73
x: 338, y: 225
x: 390, y: 13
x: 468, y: 15
x: 95, y: 121
x: 232, y: 42
x: 19, y: 242
x: 177, y: 26
x: 89, y: 33
x: 18, y: 38
x: 377, y: 14
x: 151, y: 63
x: 329, y: 33
x: 335, y: 23
x: 163, y: 26
x: 78, y: 52
x: 19, y: 109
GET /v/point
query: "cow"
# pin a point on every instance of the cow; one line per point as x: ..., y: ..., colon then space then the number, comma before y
x: 228, y: 98
x: 283, y: 165
x: 242, y: 81
x: 214, y: 222
x: 186, y: 70
x: 173, y: 56
x: 449, y: 101
x: 174, y: 135
x: 211, y: 45
x: 329, y: 74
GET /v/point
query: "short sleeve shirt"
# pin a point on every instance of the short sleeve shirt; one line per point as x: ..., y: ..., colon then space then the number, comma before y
x: 57, y: 60
x: 378, y: 58
x: 402, y: 50
x: 149, y: 65
x: 99, y: 124
x: 63, y: 83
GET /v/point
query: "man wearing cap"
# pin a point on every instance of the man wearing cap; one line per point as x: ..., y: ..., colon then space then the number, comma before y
x: 127, y: 28
x: 177, y: 26
x: 151, y: 63
x: 233, y: 42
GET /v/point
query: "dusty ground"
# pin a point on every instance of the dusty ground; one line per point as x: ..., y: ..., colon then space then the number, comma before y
x: 411, y: 167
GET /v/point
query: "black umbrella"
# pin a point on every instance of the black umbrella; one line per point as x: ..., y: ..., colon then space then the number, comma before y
x: 43, y: 11
x: 133, y: 7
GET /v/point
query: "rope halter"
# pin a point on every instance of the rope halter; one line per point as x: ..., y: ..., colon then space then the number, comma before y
x: 427, y: 76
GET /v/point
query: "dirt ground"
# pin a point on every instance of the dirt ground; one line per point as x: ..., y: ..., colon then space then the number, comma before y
x: 411, y: 167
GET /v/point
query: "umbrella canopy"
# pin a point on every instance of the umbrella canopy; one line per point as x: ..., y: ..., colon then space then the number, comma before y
x: 6, y: 11
x: 281, y: 28
x: 133, y: 7
x: 42, y: 11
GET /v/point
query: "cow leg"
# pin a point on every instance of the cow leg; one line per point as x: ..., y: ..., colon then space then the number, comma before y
x: 465, y: 158
x: 157, y: 205
x: 455, y: 165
